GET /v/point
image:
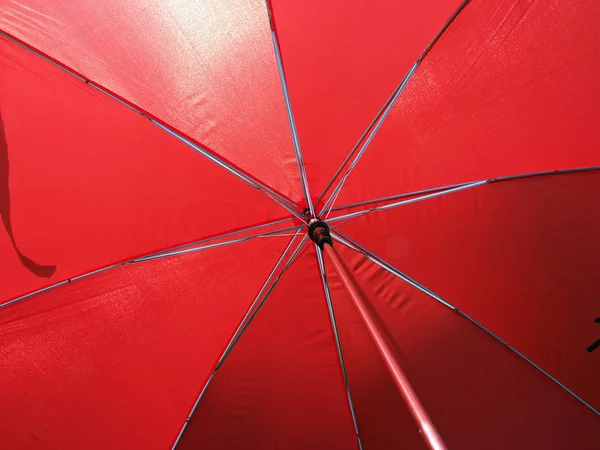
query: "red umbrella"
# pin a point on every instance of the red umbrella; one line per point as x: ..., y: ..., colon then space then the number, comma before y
x: 327, y: 225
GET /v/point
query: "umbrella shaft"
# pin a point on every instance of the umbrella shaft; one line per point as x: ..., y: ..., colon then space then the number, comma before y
x: 416, y: 409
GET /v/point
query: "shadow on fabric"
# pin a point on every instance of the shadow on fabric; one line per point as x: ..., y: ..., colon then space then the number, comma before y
x: 32, y: 266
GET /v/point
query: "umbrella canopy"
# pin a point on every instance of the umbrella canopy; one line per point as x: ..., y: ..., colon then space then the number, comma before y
x: 331, y: 225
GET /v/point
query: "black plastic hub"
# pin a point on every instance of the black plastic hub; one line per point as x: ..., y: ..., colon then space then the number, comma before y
x: 318, y: 231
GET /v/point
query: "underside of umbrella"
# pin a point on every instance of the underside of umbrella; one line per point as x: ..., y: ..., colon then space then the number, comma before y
x: 234, y: 224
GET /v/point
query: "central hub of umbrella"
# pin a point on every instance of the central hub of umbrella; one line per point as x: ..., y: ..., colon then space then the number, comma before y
x: 318, y: 231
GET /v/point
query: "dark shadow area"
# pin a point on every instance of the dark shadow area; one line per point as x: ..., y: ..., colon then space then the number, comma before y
x: 32, y: 266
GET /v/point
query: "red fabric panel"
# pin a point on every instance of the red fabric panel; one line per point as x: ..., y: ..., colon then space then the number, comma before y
x: 281, y: 387
x: 521, y: 257
x: 208, y: 68
x: 510, y: 88
x: 478, y: 394
x: 342, y: 61
x: 117, y: 360
x: 86, y: 182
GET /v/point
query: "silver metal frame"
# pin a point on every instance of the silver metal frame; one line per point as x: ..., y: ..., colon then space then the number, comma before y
x: 345, y: 240
x: 294, y: 131
x: 406, y: 202
x: 395, y: 197
x: 224, y: 235
x: 437, y: 191
x: 277, y: 233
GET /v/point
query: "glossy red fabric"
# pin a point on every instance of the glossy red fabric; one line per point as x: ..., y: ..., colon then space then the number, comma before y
x: 207, y: 68
x: 478, y: 394
x: 86, y: 182
x: 510, y: 88
x: 281, y: 386
x: 520, y: 256
x: 118, y: 359
x: 343, y: 62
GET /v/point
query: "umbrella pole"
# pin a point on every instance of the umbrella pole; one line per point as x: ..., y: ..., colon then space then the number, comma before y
x: 415, y: 407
